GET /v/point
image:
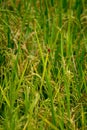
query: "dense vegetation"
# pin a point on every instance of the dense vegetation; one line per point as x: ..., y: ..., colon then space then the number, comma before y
x: 43, y: 64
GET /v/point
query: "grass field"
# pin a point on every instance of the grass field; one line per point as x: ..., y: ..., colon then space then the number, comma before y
x: 43, y: 65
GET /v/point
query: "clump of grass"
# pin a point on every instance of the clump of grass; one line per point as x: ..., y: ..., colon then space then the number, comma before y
x: 43, y: 65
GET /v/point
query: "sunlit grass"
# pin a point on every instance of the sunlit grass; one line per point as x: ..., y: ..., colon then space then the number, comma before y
x: 43, y: 65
